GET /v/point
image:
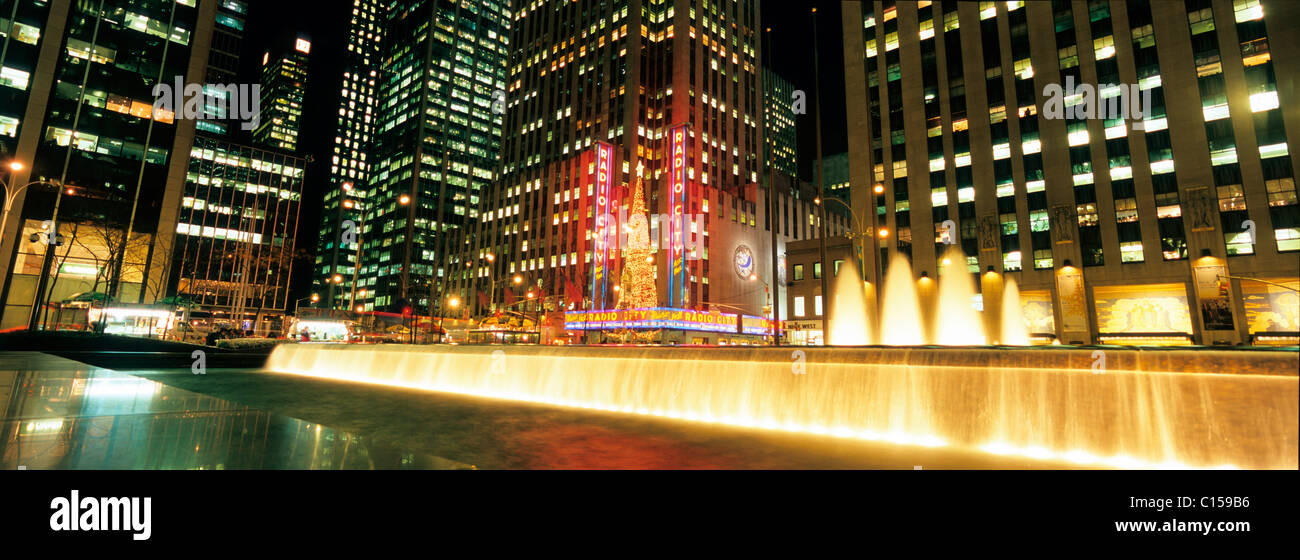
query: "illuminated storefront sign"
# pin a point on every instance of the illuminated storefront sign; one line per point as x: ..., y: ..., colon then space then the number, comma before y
x: 78, y: 269
x: 652, y: 318
x: 677, y: 289
x: 756, y: 325
x: 600, y: 249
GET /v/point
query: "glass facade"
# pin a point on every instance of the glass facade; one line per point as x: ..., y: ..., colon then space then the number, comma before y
x: 284, y: 80
x: 235, y: 232
x: 99, y: 136
x: 436, y: 143
x: 778, y: 121
x: 349, y: 162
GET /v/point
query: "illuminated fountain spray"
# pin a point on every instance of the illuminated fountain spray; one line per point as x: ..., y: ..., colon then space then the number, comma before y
x: 849, y: 325
x: 1014, y: 332
x: 957, y: 322
x: 1041, y: 405
x: 900, y: 323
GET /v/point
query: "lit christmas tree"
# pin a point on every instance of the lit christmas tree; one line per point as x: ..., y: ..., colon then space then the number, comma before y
x: 638, y: 278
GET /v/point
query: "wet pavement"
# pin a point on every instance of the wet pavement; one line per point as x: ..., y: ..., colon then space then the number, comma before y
x: 56, y: 413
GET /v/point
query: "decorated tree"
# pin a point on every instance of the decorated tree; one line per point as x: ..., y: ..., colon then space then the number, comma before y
x: 638, y: 278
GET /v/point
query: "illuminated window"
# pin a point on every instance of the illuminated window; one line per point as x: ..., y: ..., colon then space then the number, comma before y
x: 1247, y: 10
x: 1130, y: 251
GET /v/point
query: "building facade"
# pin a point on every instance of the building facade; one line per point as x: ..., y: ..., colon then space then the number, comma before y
x: 284, y: 82
x: 435, y: 146
x: 835, y: 170
x: 1127, y: 163
x: 670, y: 88
x: 350, y: 162
x: 223, y: 69
x: 778, y: 122
x: 236, y: 232
x: 77, y: 108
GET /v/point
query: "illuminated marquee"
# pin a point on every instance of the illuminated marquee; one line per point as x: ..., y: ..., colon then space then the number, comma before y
x: 677, y: 288
x: 600, y: 249
x: 650, y: 319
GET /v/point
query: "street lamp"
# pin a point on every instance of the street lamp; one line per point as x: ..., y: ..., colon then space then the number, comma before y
x: 356, y: 261
x: 12, y: 193
x: 492, y: 290
x: 767, y: 297
x: 314, y: 298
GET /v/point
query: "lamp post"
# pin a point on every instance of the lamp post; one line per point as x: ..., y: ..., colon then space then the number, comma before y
x: 817, y: 124
x: 12, y: 193
x: 453, y: 302
x: 767, y: 298
x: 356, y: 263
x: 859, y: 232
x: 314, y: 298
x: 492, y: 290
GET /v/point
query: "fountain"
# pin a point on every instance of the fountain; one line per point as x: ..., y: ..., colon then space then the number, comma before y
x: 1014, y: 332
x: 900, y: 323
x: 1149, y: 409
x: 956, y: 322
x: 1152, y: 408
x: 848, y: 324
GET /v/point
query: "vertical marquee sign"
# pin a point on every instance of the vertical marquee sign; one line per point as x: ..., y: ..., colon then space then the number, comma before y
x: 600, y: 249
x: 676, y: 232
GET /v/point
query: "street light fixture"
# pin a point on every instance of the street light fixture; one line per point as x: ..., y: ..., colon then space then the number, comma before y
x: 12, y: 193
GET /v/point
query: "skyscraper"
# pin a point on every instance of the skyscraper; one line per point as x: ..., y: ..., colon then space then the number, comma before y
x: 236, y: 221
x: 284, y: 80
x: 350, y: 164
x: 223, y: 67
x: 77, y: 107
x: 1125, y: 162
x: 236, y: 231
x: 435, y: 145
x: 778, y: 122
x: 673, y: 87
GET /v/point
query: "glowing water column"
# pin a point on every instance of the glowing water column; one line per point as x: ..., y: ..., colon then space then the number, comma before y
x: 677, y: 288
x: 600, y: 250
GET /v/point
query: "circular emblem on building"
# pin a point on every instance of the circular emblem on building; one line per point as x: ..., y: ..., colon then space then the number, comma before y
x: 744, y: 262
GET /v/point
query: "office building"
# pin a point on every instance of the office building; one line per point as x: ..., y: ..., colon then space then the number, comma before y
x: 284, y: 82
x: 236, y: 232
x: 779, y: 122
x: 435, y: 146
x: 670, y: 91
x: 77, y: 108
x: 349, y: 162
x: 1126, y: 163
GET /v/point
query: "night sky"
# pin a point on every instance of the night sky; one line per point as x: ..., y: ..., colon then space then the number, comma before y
x: 325, y: 23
